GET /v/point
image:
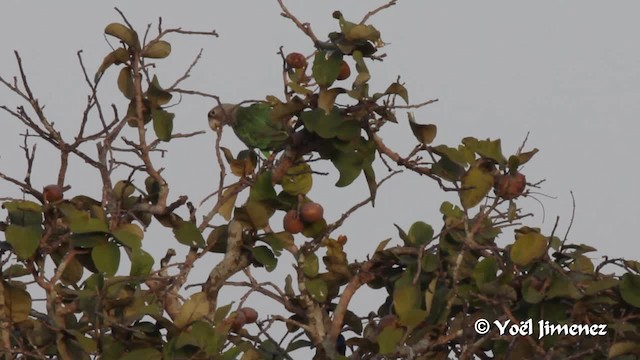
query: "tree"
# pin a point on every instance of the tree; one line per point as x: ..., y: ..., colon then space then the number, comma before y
x: 440, y: 285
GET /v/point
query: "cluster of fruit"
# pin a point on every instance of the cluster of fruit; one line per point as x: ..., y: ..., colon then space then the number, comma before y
x: 295, y: 60
x: 295, y: 221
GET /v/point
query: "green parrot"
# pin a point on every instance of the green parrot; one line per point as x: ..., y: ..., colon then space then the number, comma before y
x: 252, y: 125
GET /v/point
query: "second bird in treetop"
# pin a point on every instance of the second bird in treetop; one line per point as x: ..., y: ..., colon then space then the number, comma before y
x: 252, y: 125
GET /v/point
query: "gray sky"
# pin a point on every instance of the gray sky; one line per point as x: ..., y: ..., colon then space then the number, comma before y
x: 567, y: 72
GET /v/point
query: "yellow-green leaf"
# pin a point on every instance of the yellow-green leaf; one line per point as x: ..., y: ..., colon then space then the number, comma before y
x: 298, y: 180
x: 226, y: 209
x: 476, y: 184
x: 106, y: 257
x: 159, y: 49
x: 400, y: 90
x: 630, y: 289
x: 24, y: 239
x: 193, y: 309
x: 327, y: 98
x: 17, y: 304
x: 424, y: 133
x: 129, y: 235
x: 162, y: 123
x: 123, y: 33
x: 125, y: 83
x: 117, y: 56
x: 528, y: 247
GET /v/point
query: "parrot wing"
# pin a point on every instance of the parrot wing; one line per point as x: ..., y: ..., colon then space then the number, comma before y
x: 255, y: 128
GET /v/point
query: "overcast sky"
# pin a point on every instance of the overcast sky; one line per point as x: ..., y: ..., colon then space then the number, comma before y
x: 567, y: 72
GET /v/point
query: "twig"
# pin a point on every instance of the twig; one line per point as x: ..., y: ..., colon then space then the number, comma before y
x: 573, y: 215
x: 187, y: 73
x: 377, y: 10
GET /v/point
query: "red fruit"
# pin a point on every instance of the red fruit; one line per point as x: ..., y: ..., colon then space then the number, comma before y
x: 296, y: 60
x: 311, y: 212
x: 239, y: 320
x: 510, y: 186
x: 345, y: 71
x: 52, y: 193
x: 251, y: 315
x: 292, y: 222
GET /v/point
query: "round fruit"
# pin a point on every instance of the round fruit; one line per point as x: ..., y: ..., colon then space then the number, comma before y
x: 239, y: 320
x: 292, y: 222
x: 52, y: 193
x: 345, y: 71
x: 250, y: 314
x: 510, y: 186
x: 296, y: 60
x: 311, y: 212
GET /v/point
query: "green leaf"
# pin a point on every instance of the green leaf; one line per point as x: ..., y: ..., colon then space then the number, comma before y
x: 123, y: 33
x: 528, y: 247
x: 351, y: 159
x: 192, y: 310
x: 420, y: 233
x: 330, y: 125
x: 158, y: 49
x: 485, y: 271
x: 311, y: 266
x: 600, y: 285
x: 298, y: 180
x: 141, y: 263
x: 125, y: 83
x: 129, y: 235
x: 370, y: 176
x: 23, y: 213
x: 424, y: 133
x: 221, y: 313
x: 360, y: 83
x: 326, y: 68
x: 461, y: 156
x: 413, y: 318
x: 526, y: 156
x: 405, y: 299
x: 187, y: 233
x: 476, y: 184
x: 317, y: 288
x: 630, y: 289
x: 117, y: 56
x: 361, y: 32
x: 17, y: 304
x: 486, y: 148
x: 327, y: 98
x: 81, y: 221
x: 389, y: 339
x: 15, y: 271
x: 156, y: 94
x: 162, y: 123
x: 530, y: 293
x: 106, y: 257
x: 624, y: 348
x: 24, y: 239
x: 146, y: 354
x: 262, y: 189
x: 315, y: 229
x: 259, y: 213
x: 123, y: 189
x: 400, y: 90
x: 265, y: 257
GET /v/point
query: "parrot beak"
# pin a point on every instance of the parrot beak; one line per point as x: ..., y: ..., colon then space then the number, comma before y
x: 220, y: 116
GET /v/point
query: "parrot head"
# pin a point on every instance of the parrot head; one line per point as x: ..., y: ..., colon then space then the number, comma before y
x: 223, y: 114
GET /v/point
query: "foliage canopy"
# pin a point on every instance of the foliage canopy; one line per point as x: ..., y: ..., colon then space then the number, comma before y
x: 438, y: 281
